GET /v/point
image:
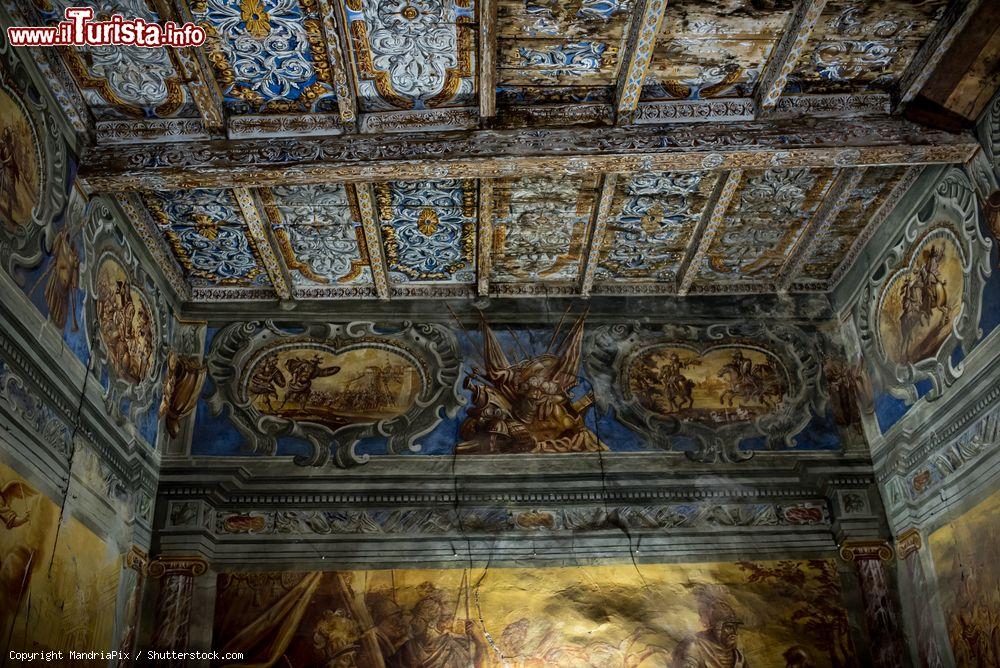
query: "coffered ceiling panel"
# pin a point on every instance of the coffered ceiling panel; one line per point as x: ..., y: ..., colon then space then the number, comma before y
x: 428, y: 229
x: 208, y: 235
x: 858, y: 45
x: 318, y: 235
x: 412, y: 55
x: 540, y: 227
x: 123, y: 82
x: 556, y: 51
x: 762, y: 226
x: 653, y: 218
x: 268, y: 56
x: 707, y: 50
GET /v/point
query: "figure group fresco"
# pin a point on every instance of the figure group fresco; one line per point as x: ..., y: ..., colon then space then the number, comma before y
x: 528, y: 405
x: 311, y: 382
x: 126, y: 324
x: 786, y: 613
x: 19, y: 167
x: 58, y: 584
x: 968, y: 579
x: 920, y: 303
x: 719, y: 385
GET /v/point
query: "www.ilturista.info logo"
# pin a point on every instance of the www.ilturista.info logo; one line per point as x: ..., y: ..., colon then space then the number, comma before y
x: 80, y: 30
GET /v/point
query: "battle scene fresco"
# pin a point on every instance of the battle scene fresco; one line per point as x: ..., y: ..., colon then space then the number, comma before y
x: 749, y: 613
x: 920, y: 303
x: 19, y: 164
x: 718, y: 385
x: 332, y: 388
x: 58, y: 584
x: 968, y: 580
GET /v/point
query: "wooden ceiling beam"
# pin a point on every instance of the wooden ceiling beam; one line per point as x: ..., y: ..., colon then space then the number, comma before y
x: 636, y: 56
x: 260, y: 239
x: 487, y: 58
x: 334, y: 38
x: 926, y: 60
x: 786, y: 54
x: 373, y: 237
x: 597, y: 231
x: 484, y: 241
x: 707, y: 229
x: 493, y: 154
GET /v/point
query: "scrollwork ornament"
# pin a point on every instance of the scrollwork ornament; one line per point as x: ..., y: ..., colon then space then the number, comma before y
x: 947, y: 221
x: 252, y: 363
x: 125, y: 316
x: 632, y: 366
x: 35, y: 165
x: 183, y: 566
x: 861, y: 550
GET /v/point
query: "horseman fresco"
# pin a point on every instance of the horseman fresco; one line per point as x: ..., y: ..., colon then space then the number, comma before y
x: 676, y: 387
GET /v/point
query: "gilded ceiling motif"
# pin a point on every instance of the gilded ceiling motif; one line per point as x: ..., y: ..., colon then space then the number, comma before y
x: 763, y: 224
x: 413, y: 54
x: 207, y: 233
x: 552, y: 51
x: 123, y: 81
x: 540, y: 227
x: 269, y: 56
x: 318, y: 234
x: 863, y: 45
x: 428, y: 229
x: 717, y: 49
x: 652, y: 221
x: 861, y: 203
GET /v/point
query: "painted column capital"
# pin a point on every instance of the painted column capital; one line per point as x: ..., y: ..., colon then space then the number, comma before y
x: 862, y: 550
x: 188, y: 566
x: 908, y: 542
x: 137, y: 559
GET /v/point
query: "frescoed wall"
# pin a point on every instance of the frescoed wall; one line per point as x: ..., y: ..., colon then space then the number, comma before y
x: 497, y: 390
x: 58, y: 583
x: 753, y: 613
x: 968, y: 581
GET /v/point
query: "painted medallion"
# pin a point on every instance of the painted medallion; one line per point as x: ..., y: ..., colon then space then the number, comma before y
x: 716, y: 386
x: 125, y: 323
x: 921, y: 302
x: 20, y: 185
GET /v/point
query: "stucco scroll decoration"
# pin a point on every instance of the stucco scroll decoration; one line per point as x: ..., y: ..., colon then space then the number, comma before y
x: 333, y: 385
x: 712, y: 385
x: 33, y: 164
x: 125, y: 316
x: 923, y: 296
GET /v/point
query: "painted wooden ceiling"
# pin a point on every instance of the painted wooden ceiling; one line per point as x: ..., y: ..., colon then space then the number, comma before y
x: 298, y: 71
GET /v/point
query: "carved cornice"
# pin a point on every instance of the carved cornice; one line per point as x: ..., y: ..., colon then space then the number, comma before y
x: 863, y: 550
x: 909, y: 542
x: 177, y: 566
x: 436, y: 120
x: 477, y: 154
x: 284, y: 125
x: 151, y: 130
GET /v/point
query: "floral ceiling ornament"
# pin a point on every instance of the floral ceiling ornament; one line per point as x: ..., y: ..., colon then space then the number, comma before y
x: 413, y: 53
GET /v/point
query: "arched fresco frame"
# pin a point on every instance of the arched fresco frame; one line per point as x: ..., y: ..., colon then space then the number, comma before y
x: 103, y: 241
x: 951, y: 208
x: 432, y: 349
x: 610, y: 349
x: 27, y: 245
